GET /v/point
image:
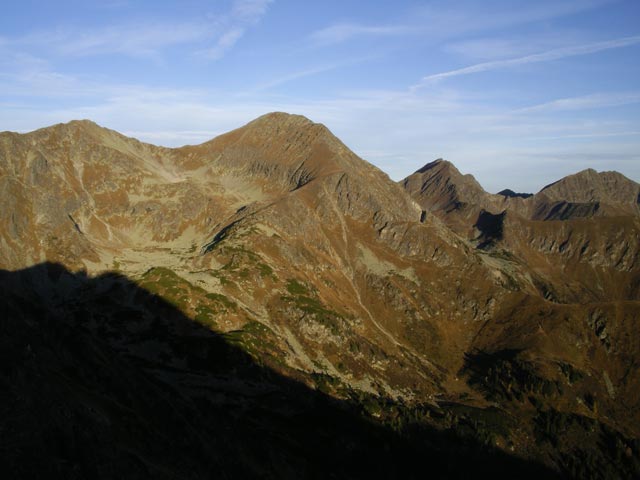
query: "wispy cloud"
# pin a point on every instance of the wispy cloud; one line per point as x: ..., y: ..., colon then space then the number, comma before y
x: 630, y: 133
x: 345, y: 31
x: 372, y: 110
x: 585, y: 102
x: 489, y: 48
x: 555, y: 54
x: 212, y: 37
x: 448, y: 19
x: 32, y: 77
x: 295, y: 76
x: 308, y: 72
x: 224, y: 43
x: 244, y: 14
x: 439, y: 21
x: 498, y: 47
x: 134, y: 39
x: 250, y: 10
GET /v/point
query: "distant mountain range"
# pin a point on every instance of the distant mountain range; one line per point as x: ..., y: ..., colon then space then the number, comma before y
x: 267, y: 304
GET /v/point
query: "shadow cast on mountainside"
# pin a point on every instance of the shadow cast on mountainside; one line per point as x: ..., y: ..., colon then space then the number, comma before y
x: 491, y: 228
x: 102, y: 379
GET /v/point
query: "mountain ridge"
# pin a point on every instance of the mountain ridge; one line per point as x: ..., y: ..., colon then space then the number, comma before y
x: 586, y: 186
x: 428, y: 291
x: 283, y: 117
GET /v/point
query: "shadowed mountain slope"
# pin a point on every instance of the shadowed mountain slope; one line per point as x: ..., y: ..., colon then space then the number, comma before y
x: 104, y: 379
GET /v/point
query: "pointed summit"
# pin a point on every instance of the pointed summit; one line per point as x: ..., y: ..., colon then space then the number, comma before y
x: 74, y: 127
x: 283, y: 149
x: 439, y: 185
x: 281, y: 119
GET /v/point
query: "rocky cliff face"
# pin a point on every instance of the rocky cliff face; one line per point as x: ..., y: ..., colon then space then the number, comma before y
x: 589, y: 186
x: 427, y: 304
x: 571, y: 235
x: 440, y: 187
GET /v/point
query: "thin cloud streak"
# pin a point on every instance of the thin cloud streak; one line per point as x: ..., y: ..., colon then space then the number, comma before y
x: 306, y: 73
x: 244, y: 14
x: 590, y: 135
x: 439, y: 23
x: 370, y: 107
x: 148, y: 39
x: 136, y: 40
x: 342, y: 32
x: 585, y: 102
x: 296, y: 76
x: 451, y: 22
x: 551, y: 55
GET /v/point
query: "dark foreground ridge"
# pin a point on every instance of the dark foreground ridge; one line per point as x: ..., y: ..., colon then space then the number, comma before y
x: 102, y: 379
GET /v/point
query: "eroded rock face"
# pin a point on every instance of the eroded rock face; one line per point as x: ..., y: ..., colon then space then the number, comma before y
x: 440, y: 187
x: 589, y: 186
x: 320, y: 267
x: 568, y: 234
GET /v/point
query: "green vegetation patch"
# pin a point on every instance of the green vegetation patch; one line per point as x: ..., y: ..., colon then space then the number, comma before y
x: 257, y: 340
x: 224, y: 280
x: 222, y: 300
x: 301, y: 298
x: 241, y: 263
x: 239, y: 255
x: 266, y: 271
x: 190, y: 299
x: 294, y: 287
x: 205, y: 316
x: 169, y: 285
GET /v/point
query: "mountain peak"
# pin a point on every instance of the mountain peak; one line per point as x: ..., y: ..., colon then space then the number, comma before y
x: 283, y: 124
x: 438, y: 163
x: 588, y: 186
x: 441, y: 186
x: 285, y: 149
x: 446, y: 169
x: 84, y: 125
x: 79, y: 128
x: 281, y: 118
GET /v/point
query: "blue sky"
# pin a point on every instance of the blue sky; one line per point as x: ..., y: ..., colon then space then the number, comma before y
x: 518, y: 93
